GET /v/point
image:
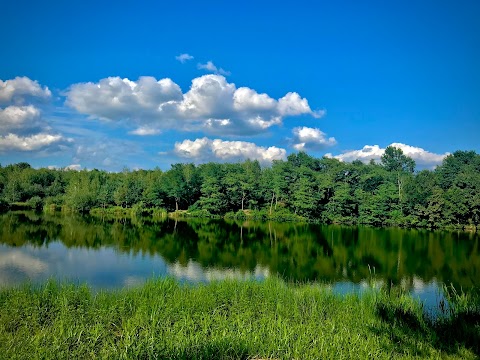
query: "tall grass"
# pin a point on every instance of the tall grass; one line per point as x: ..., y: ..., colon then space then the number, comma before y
x: 136, y: 211
x: 222, y: 320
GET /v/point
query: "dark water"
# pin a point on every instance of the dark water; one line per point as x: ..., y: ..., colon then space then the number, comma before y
x: 109, y: 254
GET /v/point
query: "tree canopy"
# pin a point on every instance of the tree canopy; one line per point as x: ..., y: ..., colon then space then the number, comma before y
x: 386, y: 194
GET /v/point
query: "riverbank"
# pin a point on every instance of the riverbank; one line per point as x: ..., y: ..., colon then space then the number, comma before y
x: 280, y: 216
x: 229, y: 319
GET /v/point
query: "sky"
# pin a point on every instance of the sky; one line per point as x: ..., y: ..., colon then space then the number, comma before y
x: 146, y: 84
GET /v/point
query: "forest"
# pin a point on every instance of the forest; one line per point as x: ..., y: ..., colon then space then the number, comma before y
x: 385, y: 193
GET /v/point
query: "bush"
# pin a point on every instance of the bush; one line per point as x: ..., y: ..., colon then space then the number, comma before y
x: 35, y: 203
x: 199, y: 214
x: 229, y: 215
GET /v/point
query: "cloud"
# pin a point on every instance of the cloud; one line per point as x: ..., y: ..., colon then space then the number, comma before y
x: 423, y: 158
x: 21, y: 88
x: 246, y: 99
x: 18, y: 118
x: 76, y: 167
x: 114, y: 98
x: 210, y: 66
x: 184, y: 58
x: 204, y: 150
x: 306, y: 139
x: 29, y: 143
x: 21, y: 125
x: 212, y: 105
x: 292, y: 104
x: 143, y: 130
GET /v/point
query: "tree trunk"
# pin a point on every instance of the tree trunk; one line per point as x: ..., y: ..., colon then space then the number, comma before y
x: 271, y: 203
x: 176, y: 204
x: 399, y: 188
x: 243, y: 199
x: 399, y: 180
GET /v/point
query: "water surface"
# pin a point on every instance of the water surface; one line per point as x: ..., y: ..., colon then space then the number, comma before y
x: 112, y: 254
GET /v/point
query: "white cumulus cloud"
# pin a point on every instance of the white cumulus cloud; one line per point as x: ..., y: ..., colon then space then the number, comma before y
x: 18, y: 89
x: 204, y: 150
x: 212, y: 105
x: 306, y: 139
x: 21, y: 125
x: 28, y: 143
x: 422, y: 157
x: 114, y: 98
x: 76, y: 167
x: 184, y: 58
x: 292, y: 104
x: 246, y: 99
x: 18, y: 117
x: 211, y: 67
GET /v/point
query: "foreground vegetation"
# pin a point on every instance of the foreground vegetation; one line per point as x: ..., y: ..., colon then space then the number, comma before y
x: 389, y: 193
x: 234, y: 320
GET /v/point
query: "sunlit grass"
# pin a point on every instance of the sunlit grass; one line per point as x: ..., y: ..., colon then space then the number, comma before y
x: 221, y: 320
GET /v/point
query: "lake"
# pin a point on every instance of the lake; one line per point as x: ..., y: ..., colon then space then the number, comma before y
x: 112, y: 254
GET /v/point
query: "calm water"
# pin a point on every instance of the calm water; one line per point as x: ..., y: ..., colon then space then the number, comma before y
x: 109, y: 254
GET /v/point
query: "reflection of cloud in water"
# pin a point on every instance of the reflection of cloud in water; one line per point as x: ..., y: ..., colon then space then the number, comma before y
x: 194, y: 272
x: 22, y: 261
x: 420, y: 286
x: 372, y: 283
x: 413, y: 285
x: 16, y: 265
x: 103, y: 267
x: 100, y: 268
x: 132, y: 281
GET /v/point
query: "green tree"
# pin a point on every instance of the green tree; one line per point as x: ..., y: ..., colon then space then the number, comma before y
x: 130, y: 189
x: 304, y: 196
x: 182, y: 183
x: 394, y: 161
x: 81, y: 193
x: 242, y: 182
x: 154, y: 195
x: 212, y: 198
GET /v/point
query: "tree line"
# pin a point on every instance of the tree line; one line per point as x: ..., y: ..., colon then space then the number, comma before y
x: 387, y: 193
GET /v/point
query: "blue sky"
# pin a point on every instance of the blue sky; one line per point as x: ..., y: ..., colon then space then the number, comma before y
x: 102, y: 84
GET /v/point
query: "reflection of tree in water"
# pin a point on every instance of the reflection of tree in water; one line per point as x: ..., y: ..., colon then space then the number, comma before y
x: 293, y: 250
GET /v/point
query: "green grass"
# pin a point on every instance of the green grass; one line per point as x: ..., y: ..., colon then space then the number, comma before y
x: 118, y: 212
x: 226, y: 320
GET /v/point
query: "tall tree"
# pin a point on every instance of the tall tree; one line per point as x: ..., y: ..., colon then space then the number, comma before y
x: 212, y: 191
x: 395, y: 161
x: 153, y: 195
x: 182, y: 183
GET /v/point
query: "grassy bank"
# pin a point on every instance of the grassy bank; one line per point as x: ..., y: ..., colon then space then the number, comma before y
x: 226, y: 320
x: 117, y: 212
x: 160, y: 213
x: 280, y: 215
